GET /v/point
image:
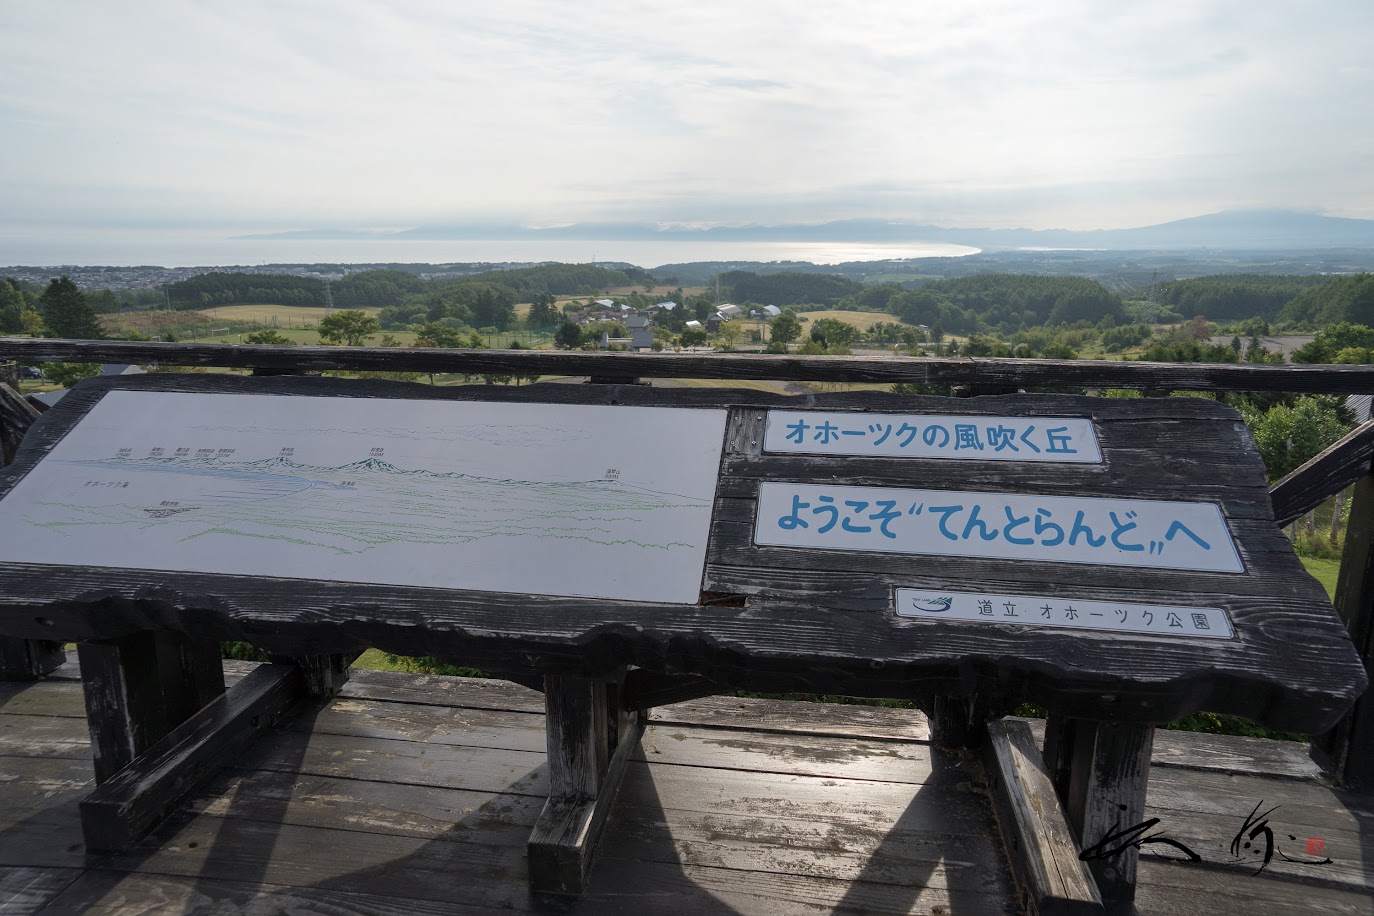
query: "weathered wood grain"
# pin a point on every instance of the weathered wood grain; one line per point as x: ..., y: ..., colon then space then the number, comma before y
x: 28, y: 890
x: 797, y: 718
x: 982, y: 374
x: 128, y: 804
x: 1034, y: 828
x: 44, y: 736
x: 120, y: 894
x: 370, y: 805
x: 441, y: 690
x: 124, y: 699
x: 585, y: 773
x: 1322, y: 477
x: 1107, y: 776
x: 1234, y: 754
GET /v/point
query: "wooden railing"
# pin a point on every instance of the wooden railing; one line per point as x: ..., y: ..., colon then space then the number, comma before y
x: 982, y: 373
x: 1349, y: 749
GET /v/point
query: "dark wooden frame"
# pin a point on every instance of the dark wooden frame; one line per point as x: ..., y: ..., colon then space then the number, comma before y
x: 839, y: 635
x: 21, y: 659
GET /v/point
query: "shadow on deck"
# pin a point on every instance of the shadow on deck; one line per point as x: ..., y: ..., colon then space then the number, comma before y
x: 415, y: 795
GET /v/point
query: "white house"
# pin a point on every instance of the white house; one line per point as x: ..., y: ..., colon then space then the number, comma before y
x: 666, y: 306
x: 728, y: 312
x: 693, y: 325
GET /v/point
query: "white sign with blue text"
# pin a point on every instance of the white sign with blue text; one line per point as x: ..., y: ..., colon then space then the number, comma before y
x: 885, y: 435
x: 1042, y: 611
x: 1154, y: 534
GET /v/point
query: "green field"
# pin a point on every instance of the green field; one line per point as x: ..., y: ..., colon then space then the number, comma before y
x: 864, y: 321
x: 231, y: 323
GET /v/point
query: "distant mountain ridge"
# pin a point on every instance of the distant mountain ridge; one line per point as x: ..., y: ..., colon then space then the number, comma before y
x: 1227, y: 230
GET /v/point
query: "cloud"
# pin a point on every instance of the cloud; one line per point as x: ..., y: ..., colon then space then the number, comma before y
x: 292, y: 113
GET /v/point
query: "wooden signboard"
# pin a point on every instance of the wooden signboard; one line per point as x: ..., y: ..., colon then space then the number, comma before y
x: 282, y: 525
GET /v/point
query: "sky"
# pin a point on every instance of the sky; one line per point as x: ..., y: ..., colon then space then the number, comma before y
x: 266, y: 115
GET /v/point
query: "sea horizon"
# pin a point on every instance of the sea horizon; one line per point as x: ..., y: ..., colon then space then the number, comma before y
x: 202, y: 249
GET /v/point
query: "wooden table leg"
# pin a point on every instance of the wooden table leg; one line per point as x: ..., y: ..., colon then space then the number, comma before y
x: 141, y: 687
x: 29, y: 659
x: 590, y: 736
x: 1101, y: 770
x: 959, y: 723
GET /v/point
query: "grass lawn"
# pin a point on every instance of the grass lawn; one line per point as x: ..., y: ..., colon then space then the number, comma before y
x: 1324, y: 571
x: 376, y: 659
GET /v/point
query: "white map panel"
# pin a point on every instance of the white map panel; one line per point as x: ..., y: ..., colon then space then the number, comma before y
x: 593, y: 501
x: 1042, y: 611
x: 896, y: 435
x: 1155, y: 534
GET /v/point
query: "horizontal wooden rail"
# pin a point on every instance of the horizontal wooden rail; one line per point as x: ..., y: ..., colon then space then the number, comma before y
x: 1321, y: 478
x: 983, y: 373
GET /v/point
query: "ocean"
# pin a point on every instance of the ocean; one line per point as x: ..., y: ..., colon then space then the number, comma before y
x: 218, y: 249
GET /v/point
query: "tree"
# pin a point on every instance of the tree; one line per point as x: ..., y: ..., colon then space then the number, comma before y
x: 1197, y: 329
x: 730, y: 332
x: 693, y: 338
x: 68, y: 374
x: 833, y: 334
x: 16, y: 313
x: 349, y: 327
x: 568, y: 336
x: 439, y: 335
x: 785, y: 328
x: 1288, y: 436
x: 267, y: 337
x: 66, y: 313
x: 542, y: 313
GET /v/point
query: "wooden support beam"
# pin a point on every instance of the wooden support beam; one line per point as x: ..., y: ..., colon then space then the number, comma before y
x: 324, y: 675
x: 141, y: 687
x: 129, y: 804
x: 584, y: 775
x: 1042, y: 846
x: 1349, y: 747
x: 16, y: 415
x: 29, y: 659
x: 1342, y: 464
x: 646, y: 689
x: 1100, y: 771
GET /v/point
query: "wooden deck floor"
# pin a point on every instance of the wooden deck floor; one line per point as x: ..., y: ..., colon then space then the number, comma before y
x: 415, y: 795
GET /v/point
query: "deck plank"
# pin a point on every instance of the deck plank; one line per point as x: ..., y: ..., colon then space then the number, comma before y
x: 27, y: 890
x: 406, y: 788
